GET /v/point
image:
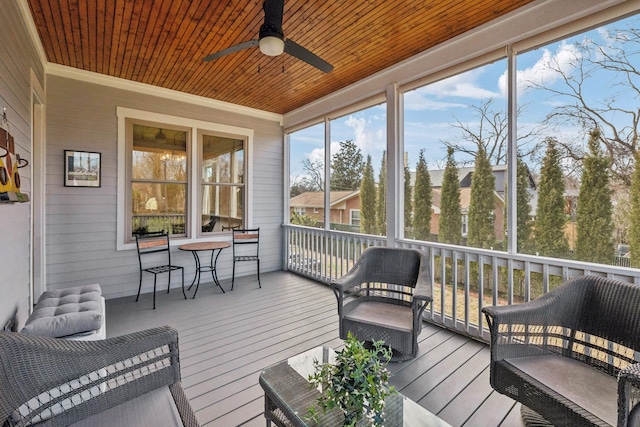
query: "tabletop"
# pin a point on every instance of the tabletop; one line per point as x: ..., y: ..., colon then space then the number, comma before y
x: 204, y: 246
x: 286, y: 385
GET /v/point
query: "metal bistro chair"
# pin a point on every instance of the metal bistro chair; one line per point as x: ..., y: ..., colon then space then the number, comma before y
x: 153, y: 243
x: 249, y: 237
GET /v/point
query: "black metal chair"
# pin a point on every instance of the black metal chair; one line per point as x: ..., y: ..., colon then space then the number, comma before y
x: 210, y: 224
x: 155, y: 243
x: 245, y: 237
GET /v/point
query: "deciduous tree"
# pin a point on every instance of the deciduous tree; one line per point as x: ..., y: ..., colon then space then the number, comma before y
x: 346, y: 167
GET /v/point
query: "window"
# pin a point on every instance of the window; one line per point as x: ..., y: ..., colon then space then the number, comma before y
x: 465, y: 221
x: 354, y: 217
x: 187, y: 177
x: 300, y: 211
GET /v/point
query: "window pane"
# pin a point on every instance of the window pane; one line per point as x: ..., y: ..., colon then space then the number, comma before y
x: 158, y: 207
x: 224, y: 202
x: 581, y: 95
x: 222, y: 171
x: 223, y: 159
x: 467, y: 114
x: 306, y: 176
x: 358, y: 171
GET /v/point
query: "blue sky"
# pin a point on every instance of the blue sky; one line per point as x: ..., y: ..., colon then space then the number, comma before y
x: 430, y: 111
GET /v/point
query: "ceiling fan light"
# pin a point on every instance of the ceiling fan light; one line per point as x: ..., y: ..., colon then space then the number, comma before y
x: 271, y: 45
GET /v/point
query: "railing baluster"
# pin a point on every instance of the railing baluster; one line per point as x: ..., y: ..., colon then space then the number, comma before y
x: 326, y: 254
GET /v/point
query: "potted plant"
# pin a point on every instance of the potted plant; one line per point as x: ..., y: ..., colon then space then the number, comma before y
x: 357, y: 383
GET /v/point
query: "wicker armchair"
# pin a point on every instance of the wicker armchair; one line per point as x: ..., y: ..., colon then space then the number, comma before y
x: 383, y: 297
x: 571, y: 355
x: 129, y: 380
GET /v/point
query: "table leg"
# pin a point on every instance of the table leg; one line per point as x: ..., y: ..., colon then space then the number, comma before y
x: 197, y: 276
x: 214, y: 272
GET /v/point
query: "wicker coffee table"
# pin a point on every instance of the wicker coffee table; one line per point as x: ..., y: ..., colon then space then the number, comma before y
x: 288, y: 396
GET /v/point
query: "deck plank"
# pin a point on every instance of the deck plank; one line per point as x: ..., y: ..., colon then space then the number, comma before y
x: 226, y: 339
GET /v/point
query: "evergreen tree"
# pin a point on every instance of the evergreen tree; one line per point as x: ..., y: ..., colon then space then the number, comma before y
x: 422, y: 200
x: 634, y: 226
x: 381, y: 202
x: 481, y: 232
x: 550, y: 239
x: 594, y: 215
x: 450, y: 227
x: 524, y: 209
x: 346, y: 167
x: 408, y: 205
x: 368, y: 200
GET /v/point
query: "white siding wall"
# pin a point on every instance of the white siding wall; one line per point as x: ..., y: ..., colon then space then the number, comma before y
x: 17, y: 59
x: 81, y: 222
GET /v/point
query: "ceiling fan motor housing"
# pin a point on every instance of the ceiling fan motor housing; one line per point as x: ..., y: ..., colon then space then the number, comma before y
x: 271, y: 35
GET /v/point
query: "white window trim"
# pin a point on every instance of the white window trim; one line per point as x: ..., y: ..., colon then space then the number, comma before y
x: 124, y: 114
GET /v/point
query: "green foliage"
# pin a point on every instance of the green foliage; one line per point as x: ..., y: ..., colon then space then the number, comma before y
x: 381, y: 203
x: 346, y: 167
x: 408, y: 206
x: 305, y: 220
x: 550, y: 239
x: 357, y: 383
x: 481, y: 217
x: 634, y: 227
x: 368, y: 200
x: 422, y: 200
x: 450, y: 227
x: 524, y: 209
x: 595, y: 211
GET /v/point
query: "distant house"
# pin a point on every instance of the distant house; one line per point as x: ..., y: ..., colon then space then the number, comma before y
x: 465, y: 175
x: 344, y: 206
x: 465, y: 202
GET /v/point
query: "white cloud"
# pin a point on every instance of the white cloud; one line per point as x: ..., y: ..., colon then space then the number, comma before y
x: 463, y: 85
x: 417, y: 101
x: 545, y: 71
x: 367, y: 136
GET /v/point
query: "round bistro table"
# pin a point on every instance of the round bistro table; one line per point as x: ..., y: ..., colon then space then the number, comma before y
x: 195, y: 248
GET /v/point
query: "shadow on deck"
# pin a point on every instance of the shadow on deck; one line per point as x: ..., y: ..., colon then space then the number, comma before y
x: 227, y: 339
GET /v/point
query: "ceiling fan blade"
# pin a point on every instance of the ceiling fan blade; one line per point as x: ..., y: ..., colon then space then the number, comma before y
x: 294, y: 49
x: 232, y: 49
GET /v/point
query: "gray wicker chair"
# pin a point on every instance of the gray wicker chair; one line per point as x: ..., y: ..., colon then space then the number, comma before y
x: 383, y: 297
x: 571, y: 355
x: 128, y: 380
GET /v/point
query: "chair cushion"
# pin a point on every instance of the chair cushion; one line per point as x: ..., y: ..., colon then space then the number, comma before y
x: 156, y: 408
x: 66, y: 312
x: 585, y: 386
x: 383, y: 315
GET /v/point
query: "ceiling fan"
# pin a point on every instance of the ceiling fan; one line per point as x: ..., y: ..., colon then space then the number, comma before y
x: 272, y: 42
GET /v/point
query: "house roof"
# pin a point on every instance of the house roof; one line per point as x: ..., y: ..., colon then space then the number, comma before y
x: 312, y: 199
x: 464, y: 177
x: 162, y: 43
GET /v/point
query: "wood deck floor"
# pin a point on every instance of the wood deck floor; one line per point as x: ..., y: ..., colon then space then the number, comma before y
x: 227, y: 339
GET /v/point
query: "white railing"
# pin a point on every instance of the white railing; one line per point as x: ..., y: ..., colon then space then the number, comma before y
x: 481, y: 277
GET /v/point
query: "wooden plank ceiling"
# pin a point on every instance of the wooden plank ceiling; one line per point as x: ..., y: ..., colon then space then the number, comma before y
x: 162, y: 42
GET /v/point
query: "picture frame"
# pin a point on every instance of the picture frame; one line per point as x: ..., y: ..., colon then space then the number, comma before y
x: 82, y: 169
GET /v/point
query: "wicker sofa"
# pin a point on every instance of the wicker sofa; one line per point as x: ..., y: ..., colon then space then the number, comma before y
x: 383, y: 297
x: 571, y: 355
x: 133, y: 379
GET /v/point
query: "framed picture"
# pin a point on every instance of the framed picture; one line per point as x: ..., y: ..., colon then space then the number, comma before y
x: 81, y: 169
